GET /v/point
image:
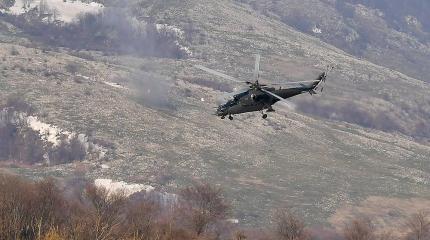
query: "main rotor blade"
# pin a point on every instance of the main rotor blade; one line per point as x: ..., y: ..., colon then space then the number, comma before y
x: 216, y: 73
x: 257, y: 67
x: 288, y: 83
x: 283, y: 100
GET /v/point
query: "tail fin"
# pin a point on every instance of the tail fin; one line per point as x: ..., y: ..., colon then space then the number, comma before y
x: 322, y: 76
x: 321, y: 80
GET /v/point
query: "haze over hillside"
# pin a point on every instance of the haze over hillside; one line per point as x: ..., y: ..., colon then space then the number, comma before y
x: 395, y: 34
x: 121, y: 87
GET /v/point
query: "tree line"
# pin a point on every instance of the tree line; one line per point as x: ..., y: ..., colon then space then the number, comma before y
x: 48, y: 209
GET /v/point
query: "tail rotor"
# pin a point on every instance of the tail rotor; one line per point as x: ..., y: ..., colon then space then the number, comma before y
x: 323, y: 79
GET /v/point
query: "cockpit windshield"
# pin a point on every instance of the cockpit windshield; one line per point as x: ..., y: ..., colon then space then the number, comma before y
x: 224, y: 99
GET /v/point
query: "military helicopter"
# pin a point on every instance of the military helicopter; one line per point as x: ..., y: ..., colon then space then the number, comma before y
x: 260, y: 97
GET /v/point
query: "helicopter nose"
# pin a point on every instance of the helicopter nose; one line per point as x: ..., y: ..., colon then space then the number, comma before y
x: 220, y: 112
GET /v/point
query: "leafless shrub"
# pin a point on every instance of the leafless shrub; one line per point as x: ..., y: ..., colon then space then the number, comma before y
x: 104, y: 143
x: 13, y: 206
x: 48, y: 207
x: 27, y: 146
x: 203, y: 205
x: 141, y: 220
x: 385, y: 236
x: 106, y: 211
x: 73, y: 67
x: 289, y: 227
x: 69, y: 150
x: 79, y: 224
x: 170, y: 231
x: 15, y: 103
x: 28, y: 210
x: 359, y: 229
x: 239, y: 236
x: 18, y: 142
x: 418, y: 226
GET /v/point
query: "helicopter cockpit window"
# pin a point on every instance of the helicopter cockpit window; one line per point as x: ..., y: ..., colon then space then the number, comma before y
x: 232, y: 97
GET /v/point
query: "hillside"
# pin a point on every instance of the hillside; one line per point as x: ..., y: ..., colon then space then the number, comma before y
x: 394, y: 34
x: 157, y: 112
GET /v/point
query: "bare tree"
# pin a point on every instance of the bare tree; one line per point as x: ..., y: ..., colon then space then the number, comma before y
x: 106, y: 214
x: 289, y: 227
x: 29, y: 210
x: 359, y: 229
x: 47, y: 211
x: 16, y: 103
x: 418, y: 226
x: 14, y: 201
x: 79, y: 224
x: 385, y: 236
x: 141, y: 220
x: 203, y: 205
x: 239, y: 236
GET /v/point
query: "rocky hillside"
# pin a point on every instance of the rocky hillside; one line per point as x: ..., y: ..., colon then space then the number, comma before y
x: 156, y: 110
x: 394, y: 34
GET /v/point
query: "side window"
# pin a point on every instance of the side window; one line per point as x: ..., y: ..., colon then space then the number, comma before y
x: 238, y: 97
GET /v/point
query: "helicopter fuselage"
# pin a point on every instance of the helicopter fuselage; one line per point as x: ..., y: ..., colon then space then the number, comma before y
x: 256, y: 100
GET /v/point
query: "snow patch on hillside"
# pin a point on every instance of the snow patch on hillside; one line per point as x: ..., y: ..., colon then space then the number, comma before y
x: 317, y: 30
x: 51, y: 134
x: 122, y: 187
x: 65, y: 11
x: 47, y: 132
x: 115, y: 85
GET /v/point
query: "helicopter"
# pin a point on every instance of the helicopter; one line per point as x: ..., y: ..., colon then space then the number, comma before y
x: 261, y: 97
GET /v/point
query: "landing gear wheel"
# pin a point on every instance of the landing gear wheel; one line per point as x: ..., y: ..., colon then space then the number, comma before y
x: 230, y: 117
x: 264, y: 116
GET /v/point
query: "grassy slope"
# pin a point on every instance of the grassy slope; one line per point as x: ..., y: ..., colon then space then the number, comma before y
x: 310, y: 164
x: 379, y: 32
